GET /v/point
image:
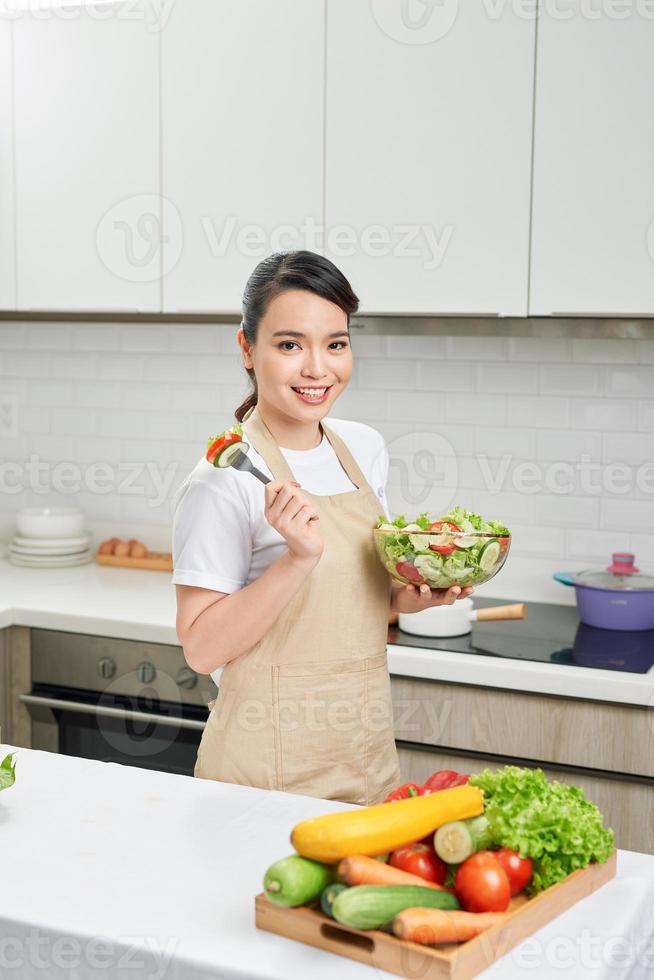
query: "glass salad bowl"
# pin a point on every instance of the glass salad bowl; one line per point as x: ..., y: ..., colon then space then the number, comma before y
x: 440, y: 555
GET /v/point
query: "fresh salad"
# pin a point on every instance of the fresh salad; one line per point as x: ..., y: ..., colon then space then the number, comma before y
x: 439, y: 863
x: 461, y: 548
x: 221, y: 448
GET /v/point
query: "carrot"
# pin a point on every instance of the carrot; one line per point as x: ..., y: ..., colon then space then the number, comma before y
x: 360, y: 870
x: 429, y: 926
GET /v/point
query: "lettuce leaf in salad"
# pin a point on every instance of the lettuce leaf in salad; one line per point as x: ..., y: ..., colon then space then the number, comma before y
x: 7, y: 771
x: 550, y: 822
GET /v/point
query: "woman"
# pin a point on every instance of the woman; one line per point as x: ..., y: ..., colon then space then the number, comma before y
x: 280, y: 583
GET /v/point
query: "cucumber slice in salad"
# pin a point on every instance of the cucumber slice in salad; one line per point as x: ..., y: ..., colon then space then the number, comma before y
x: 226, y: 455
x: 489, y: 555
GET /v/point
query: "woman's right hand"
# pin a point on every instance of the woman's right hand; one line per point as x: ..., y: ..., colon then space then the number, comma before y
x: 290, y: 513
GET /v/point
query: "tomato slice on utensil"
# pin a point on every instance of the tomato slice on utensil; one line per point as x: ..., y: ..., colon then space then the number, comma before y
x: 443, y: 528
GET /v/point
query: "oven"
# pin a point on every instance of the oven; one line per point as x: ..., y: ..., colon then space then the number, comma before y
x: 126, y: 701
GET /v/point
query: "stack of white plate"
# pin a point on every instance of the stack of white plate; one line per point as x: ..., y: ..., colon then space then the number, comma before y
x: 50, y: 537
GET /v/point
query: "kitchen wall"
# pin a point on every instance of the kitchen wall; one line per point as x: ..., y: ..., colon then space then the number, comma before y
x: 555, y: 437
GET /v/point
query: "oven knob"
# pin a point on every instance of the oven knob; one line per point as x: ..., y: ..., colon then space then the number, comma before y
x: 106, y: 667
x: 186, y: 678
x: 146, y: 672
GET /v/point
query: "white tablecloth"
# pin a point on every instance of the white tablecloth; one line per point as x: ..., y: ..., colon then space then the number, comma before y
x: 108, y: 871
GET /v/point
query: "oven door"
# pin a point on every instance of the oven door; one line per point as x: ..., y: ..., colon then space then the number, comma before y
x: 133, y: 730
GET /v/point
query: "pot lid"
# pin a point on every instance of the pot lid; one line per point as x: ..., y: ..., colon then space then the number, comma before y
x: 621, y: 574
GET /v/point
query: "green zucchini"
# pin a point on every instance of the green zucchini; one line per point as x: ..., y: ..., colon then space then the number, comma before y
x: 296, y: 880
x: 328, y: 896
x: 457, y: 840
x: 372, y: 906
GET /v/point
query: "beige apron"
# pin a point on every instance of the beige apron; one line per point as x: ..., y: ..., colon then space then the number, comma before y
x: 308, y: 708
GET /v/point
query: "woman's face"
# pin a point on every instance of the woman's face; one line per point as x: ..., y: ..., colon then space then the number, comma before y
x: 302, y: 342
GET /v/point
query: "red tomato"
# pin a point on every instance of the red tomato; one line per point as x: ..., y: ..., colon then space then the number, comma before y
x: 518, y: 869
x: 481, y: 884
x: 441, y: 526
x: 420, y: 859
x: 407, y: 570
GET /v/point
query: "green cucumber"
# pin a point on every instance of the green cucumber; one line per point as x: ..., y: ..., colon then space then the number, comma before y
x: 328, y: 896
x: 373, y: 906
x: 489, y: 554
x: 457, y: 840
x: 226, y: 455
x: 296, y: 880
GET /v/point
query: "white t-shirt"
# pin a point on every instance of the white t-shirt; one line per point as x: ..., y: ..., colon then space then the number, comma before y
x: 221, y: 538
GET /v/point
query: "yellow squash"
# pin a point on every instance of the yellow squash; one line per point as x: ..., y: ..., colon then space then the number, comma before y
x: 377, y: 829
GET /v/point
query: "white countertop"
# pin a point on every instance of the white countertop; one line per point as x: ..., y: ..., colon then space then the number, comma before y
x: 140, y: 605
x: 111, y: 870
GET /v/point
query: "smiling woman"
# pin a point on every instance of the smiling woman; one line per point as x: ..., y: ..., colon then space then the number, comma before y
x: 265, y: 573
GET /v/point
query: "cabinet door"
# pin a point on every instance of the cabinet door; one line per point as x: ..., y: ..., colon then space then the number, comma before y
x: 428, y: 146
x: 87, y: 157
x: 593, y: 194
x: 242, y: 104
x: 7, y: 242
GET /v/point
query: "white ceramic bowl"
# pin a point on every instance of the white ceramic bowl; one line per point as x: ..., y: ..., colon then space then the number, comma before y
x: 50, y: 522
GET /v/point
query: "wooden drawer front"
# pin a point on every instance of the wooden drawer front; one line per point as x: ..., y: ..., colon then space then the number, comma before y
x: 591, y: 734
x: 627, y: 807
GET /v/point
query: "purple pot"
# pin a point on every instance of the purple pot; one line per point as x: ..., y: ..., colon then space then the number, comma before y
x: 618, y: 598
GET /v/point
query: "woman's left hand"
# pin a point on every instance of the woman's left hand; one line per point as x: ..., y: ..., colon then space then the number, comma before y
x: 413, y: 598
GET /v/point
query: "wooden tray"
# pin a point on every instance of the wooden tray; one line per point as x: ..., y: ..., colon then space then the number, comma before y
x: 158, y: 561
x: 459, y: 961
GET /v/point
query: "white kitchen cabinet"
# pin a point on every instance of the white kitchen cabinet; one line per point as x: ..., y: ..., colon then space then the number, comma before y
x: 7, y: 242
x: 242, y: 140
x: 87, y: 158
x: 593, y: 187
x: 428, y: 145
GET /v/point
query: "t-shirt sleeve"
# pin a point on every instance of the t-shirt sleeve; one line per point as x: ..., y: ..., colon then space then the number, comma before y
x: 211, y: 538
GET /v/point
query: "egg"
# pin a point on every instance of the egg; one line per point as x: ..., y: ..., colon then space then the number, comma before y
x: 138, y: 550
x: 122, y: 548
x: 107, y: 547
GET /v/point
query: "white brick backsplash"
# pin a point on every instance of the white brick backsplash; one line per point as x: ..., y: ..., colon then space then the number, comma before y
x: 623, y: 447
x: 494, y: 441
x: 73, y: 365
x: 558, y: 444
x: 484, y: 407
x: 539, y: 349
x: 570, y: 379
x: 603, y: 413
x: 146, y: 397
x: 629, y: 382
x: 633, y: 515
x: 595, y: 546
x: 127, y: 425
x: 73, y: 421
x: 49, y: 336
x: 419, y: 348
x: 646, y: 415
x: 475, y: 348
x: 542, y: 411
x: 373, y: 373
x: 642, y: 544
x: 145, y: 337
x: 507, y: 378
x: 96, y: 336
x: 600, y: 350
x: 50, y: 393
x: 557, y: 509
x: 96, y: 394
x: 454, y: 376
x: 480, y: 409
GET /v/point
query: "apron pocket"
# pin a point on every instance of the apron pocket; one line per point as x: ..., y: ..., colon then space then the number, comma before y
x: 328, y: 726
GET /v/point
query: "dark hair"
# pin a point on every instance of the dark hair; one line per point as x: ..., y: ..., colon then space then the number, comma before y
x: 289, y: 270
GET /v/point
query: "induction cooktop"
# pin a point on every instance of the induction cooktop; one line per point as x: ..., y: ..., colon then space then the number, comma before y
x: 550, y: 634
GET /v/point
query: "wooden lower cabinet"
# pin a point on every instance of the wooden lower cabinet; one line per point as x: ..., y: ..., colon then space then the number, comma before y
x: 627, y: 805
x: 15, y: 671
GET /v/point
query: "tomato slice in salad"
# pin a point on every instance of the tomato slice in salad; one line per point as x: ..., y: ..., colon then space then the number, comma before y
x: 443, y: 527
x: 408, y: 570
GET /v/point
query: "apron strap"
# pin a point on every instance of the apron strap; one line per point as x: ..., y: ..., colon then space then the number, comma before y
x: 263, y: 441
